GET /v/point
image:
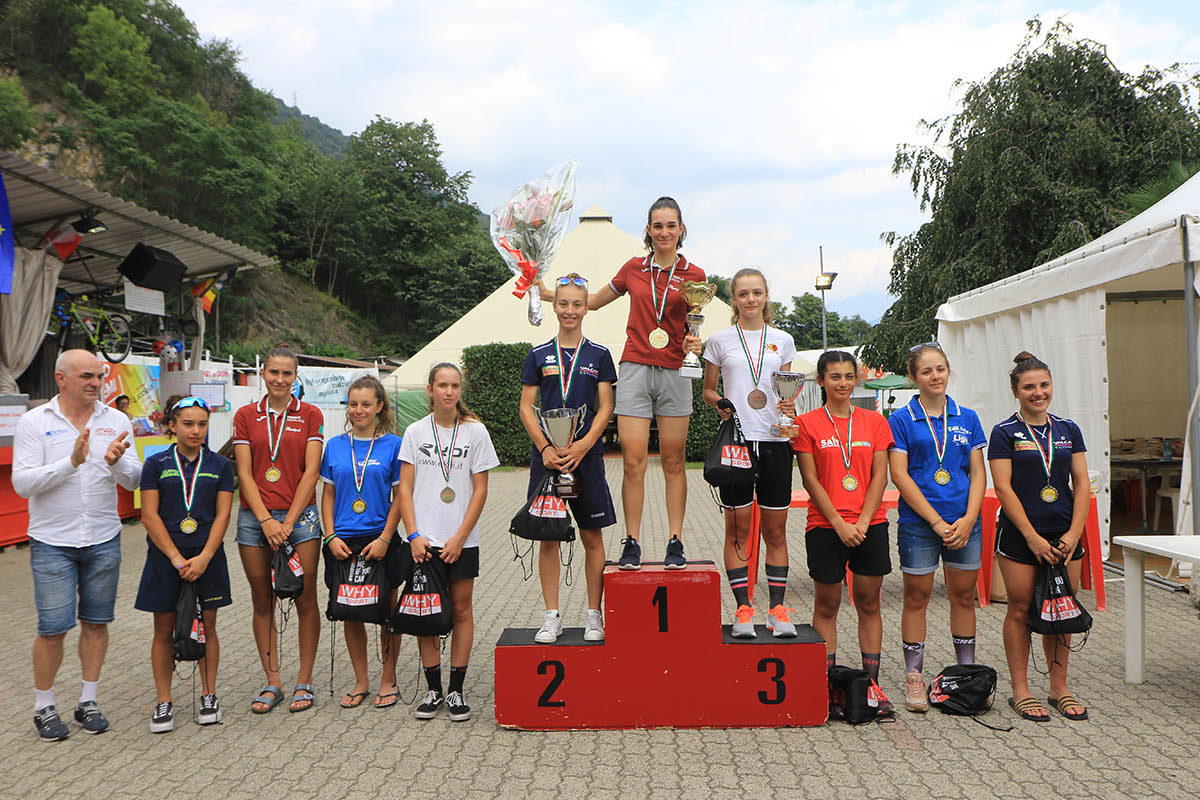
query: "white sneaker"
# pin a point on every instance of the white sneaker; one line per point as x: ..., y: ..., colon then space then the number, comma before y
x: 551, y: 629
x: 593, y: 628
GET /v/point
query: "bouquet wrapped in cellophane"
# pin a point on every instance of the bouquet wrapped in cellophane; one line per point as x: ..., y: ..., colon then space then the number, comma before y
x: 528, y: 227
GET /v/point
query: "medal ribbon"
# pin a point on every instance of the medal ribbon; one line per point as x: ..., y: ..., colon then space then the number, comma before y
x: 849, y: 435
x: 660, y: 308
x: 273, y: 442
x: 189, y: 492
x: 755, y: 375
x: 1047, y: 454
x: 941, y: 451
x: 565, y: 386
x: 448, y: 463
x: 358, y: 479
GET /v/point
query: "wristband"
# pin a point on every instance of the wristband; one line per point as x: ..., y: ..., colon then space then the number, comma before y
x: 385, y: 541
x: 329, y: 538
x: 412, y: 536
x: 263, y: 521
x: 547, y: 444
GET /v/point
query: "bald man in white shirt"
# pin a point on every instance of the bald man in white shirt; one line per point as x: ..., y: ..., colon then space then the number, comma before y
x: 68, y: 457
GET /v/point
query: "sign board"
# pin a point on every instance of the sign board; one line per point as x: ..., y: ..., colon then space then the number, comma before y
x: 8, y: 419
x: 211, y: 393
x: 326, y: 387
x: 144, y: 301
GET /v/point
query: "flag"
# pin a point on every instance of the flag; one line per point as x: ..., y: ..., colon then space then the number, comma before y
x: 8, y: 243
x: 65, y: 240
x: 208, y: 289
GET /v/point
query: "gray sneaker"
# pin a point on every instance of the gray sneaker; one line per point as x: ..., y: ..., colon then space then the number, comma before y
x: 779, y: 624
x: 551, y: 629
x: 593, y: 628
x: 88, y: 715
x: 743, y: 626
x: 50, y: 726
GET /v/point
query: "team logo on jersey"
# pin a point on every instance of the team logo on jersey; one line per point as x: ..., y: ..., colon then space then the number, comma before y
x: 105, y: 431
x: 736, y: 455
x: 1020, y: 447
x: 774, y: 348
x: 549, y: 370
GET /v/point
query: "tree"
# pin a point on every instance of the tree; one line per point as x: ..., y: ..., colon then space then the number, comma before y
x: 803, y: 322
x: 16, y: 116
x: 722, y: 285
x: 114, y: 58
x: 1032, y: 165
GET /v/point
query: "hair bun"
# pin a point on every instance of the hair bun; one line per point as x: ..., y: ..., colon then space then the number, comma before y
x: 1024, y: 355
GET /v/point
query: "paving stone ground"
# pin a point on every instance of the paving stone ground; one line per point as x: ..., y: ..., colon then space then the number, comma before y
x: 1141, y: 741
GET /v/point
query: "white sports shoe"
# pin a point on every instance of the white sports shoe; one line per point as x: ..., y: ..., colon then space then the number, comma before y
x: 551, y: 629
x: 593, y: 628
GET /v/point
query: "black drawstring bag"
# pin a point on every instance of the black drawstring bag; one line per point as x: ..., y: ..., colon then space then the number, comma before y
x: 1054, y: 609
x: 965, y: 690
x: 287, y: 576
x: 424, y: 608
x: 187, y: 642
x: 730, y: 462
x: 544, y: 517
x: 848, y: 689
x: 360, y: 588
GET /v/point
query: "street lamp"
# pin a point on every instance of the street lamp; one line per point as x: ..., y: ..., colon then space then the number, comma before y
x: 824, y: 283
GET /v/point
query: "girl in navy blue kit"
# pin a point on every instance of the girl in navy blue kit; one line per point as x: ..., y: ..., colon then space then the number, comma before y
x: 360, y: 470
x: 187, y: 491
x: 1040, y: 473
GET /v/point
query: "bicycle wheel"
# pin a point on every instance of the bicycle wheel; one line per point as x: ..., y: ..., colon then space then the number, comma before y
x: 115, y: 339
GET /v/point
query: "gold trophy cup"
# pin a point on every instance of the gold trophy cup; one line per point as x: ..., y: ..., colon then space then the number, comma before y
x: 696, y: 294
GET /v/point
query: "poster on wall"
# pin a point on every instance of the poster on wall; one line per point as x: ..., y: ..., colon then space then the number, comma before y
x: 138, y: 382
x: 327, y: 387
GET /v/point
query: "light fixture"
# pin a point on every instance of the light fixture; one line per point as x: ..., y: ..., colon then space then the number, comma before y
x: 88, y: 222
x: 825, y: 281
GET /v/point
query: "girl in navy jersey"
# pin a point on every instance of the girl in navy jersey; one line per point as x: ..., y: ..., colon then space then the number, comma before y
x: 443, y: 486
x: 360, y: 470
x: 187, y: 491
x: 1040, y: 473
x: 570, y: 371
x: 743, y: 357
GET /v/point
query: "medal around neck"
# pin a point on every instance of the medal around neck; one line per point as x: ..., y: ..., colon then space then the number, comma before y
x: 273, y: 441
x: 1049, y: 494
x: 697, y: 295
x: 561, y: 426
x: 941, y: 477
x: 787, y: 385
x: 360, y: 505
x: 446, y: 495
x: 272, y: 474
x: 188, y: 525
x: 658, y: 338
x: 447, y: 464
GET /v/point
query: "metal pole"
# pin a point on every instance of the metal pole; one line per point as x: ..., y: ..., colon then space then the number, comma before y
x: 1193, y: 367
x: 824, y: 339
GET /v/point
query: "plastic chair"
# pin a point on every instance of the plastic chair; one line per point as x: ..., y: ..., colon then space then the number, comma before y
x: 1171, y: 492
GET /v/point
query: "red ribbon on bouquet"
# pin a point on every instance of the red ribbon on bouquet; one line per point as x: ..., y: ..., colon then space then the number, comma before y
x: 528, y: 268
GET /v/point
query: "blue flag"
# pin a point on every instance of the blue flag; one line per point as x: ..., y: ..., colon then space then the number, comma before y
x: 8, y: 243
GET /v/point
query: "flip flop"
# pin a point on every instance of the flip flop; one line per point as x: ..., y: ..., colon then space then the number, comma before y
x: 389, y: 703
x: 356, y: 699
x: 1068, y: 701
x: 269, y: 690
x: 1023, y: 708
x: 303, y: 693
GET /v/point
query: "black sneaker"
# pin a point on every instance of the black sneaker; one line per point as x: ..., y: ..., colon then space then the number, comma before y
x: 210, y: 710
x: 50, y: 726
x: 430, y: 705
x: 88, y: 715
x: 457, y: 705
x: 631, y: 554
x: 675, y: 558
x: 163, y: 720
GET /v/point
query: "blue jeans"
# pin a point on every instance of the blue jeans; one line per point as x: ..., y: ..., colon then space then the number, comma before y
x: 61, y: 574
x: 920, y: 549
x: 250, y: 533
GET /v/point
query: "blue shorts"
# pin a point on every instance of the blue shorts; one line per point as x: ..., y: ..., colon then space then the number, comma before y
x: 250, y: 532
x: 593, y: 509
x: 159, y: 590
x: 60, y: 574
x: 920, y: 549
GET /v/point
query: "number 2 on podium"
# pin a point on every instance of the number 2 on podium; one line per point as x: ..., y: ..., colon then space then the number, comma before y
x: 660, y: 600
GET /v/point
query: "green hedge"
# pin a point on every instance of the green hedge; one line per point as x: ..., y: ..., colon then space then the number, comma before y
x: 493, y: 391
x: 703, y: 427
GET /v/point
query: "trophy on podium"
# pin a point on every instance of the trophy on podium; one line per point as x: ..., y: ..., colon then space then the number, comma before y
x: 787, y: 385
x: 696, y: 294
x: 561, y: 425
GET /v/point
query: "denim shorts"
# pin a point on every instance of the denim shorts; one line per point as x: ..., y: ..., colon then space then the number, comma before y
x: 60, y: 574
x: 250, y: 533
x: 920, y: 548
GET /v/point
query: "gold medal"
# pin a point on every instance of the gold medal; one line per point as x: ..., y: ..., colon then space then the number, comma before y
x: 1049, y: 494
x: 941, y: 477
x: 849, y: 483
x: 447, y: 495
x: 188, y: 525
x: 757, y: 399
x: 273, y: 474
x: 359, y: 506
x: 658, y: 338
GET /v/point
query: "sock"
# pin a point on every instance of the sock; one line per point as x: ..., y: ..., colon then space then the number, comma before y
x: 830, y: 660
x: 88, y: 693
x: 914, y: 656
x: 593, y: 611
x: 457, y: 676
x: 553, y: 611
x: 433, y: 678
x: 870, y: 662
x: 964, y: 649
x: 43, y: 698
x: 739, y: 582
x: 777, y: 582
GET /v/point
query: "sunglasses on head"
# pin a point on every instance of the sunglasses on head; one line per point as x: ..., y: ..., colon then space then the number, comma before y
x: 566, y: 280
x: 917, y: 347
x: 190, y: 402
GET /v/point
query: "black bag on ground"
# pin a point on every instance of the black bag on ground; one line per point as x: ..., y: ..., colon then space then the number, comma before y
x: 424, y: 608
x: 1054, y: 609
x: 544, y: 517
x: 360, y: 588
x: 963, y: 689
x: 730, y: 461
x: 287, y: 576
x: 187, y: 642
x: 850, y: 695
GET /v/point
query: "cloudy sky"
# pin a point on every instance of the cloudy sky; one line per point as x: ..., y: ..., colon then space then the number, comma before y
x: 773, y: 123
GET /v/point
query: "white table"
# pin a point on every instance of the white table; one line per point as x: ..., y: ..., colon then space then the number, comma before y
x: 1183, y: 548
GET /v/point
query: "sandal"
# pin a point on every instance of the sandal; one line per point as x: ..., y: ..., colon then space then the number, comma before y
x: 268, y: 691
x: 1061, y: 704
x: 1024, y: 707
x: 303, y: 693
x: 356, y: 699
x: 384, y: 696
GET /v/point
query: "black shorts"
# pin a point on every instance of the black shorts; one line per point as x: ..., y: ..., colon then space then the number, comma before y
x: 466, y: 568
x: 159, y: 590
x: 593, y: 509
x: 1011, y: 544
x: 393, y: 562
x: 773, y: 485
x: 828, y: 557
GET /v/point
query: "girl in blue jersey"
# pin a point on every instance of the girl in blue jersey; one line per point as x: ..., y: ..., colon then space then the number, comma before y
x: 1040, y: 473
x: 570, y: 371
x: 360, y: 470
x: 937, y: 464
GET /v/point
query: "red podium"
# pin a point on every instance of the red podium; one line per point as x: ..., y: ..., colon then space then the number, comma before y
x: 667, y: 662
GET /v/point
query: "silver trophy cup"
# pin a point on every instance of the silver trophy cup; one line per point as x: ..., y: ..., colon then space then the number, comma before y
x: 787, y: 385
x: 561, y: 425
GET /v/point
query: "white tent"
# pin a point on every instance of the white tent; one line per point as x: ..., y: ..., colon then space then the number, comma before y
x: 595, y: 249
x: 1111, y: 321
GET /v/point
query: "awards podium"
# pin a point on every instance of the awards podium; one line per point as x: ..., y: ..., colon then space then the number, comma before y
x: 666, y: 662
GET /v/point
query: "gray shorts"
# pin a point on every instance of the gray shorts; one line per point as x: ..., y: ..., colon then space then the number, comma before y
x: 646, y: 391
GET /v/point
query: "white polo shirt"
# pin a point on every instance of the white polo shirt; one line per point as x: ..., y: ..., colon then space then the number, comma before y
x: 70, y: 507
